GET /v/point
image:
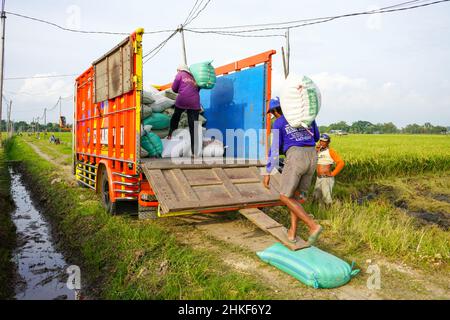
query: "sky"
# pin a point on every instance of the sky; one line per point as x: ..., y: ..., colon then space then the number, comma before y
x: 382, y: 68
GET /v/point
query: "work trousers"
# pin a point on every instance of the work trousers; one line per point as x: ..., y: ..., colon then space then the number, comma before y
x: 324, y: 189
x: 192, y: 119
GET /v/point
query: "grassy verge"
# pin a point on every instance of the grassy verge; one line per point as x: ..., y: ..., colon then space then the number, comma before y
x: 124, y: 258
x: 7, y: 232
x: 380, y: 227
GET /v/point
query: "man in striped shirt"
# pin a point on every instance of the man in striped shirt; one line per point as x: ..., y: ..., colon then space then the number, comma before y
x: 327, y: 157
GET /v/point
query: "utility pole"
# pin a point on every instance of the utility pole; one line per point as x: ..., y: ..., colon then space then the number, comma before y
x: 288, y: 51
x: 2, y: 62
x: 8, y: 123
x: 60, y: 114
x: 183, y: 43
x: 283, y: 57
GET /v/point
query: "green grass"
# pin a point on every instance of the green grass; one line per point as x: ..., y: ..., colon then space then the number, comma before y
x: 60, y: 153
x: 367, y: 157
x: 7, y: 232
x: 410, y: 168
x: 379, y: 226
x: 130, y: 259
x: 370, y: 157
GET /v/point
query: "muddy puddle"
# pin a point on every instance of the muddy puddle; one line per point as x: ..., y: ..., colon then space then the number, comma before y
x: 41, y: 268
x: 440, y: 219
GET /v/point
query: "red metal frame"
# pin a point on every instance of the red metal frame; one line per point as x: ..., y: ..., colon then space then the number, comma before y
x: 121, y: 159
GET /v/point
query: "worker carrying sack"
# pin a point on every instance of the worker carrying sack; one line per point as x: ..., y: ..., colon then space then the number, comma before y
x: 300, y: 101
x: 152, y: 144
x: 312, y: 266
x: 204, y: 74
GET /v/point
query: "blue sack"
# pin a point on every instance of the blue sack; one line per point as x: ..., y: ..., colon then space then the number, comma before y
x: 312, y: 266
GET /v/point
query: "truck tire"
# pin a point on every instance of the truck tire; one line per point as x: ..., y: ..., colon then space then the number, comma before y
x: 109, y: 206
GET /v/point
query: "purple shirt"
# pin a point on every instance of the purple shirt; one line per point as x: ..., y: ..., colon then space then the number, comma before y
x: 290, y: 137
x: 188, y: 92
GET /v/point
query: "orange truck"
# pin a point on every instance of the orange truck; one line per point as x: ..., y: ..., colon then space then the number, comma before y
x: 107, y: 131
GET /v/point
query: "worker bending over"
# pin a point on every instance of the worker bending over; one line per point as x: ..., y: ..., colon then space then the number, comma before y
x: 298, y: 144
x: 327, y: 157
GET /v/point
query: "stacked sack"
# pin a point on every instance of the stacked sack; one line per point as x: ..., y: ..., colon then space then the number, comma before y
x: 155, y: 123
x: 158, y: 109
x: 180, y: 146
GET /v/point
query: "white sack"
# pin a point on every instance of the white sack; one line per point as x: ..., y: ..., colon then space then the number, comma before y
x: 300, y: 101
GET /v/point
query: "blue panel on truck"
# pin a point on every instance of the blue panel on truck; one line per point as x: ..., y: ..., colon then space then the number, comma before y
x: 238, y: 102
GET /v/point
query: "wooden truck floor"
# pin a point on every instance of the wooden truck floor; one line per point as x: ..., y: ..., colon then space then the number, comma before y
x: 185, y: 185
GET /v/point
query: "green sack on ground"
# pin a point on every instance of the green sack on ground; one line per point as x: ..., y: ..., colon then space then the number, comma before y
x: 312, y: 266
x: 204, y: 74
x: 152, y: 144
x: 158, y: 121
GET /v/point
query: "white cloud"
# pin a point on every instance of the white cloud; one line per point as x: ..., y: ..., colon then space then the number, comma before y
x: 44, y: 89
x: 36, y: 94
x: 339, y: 82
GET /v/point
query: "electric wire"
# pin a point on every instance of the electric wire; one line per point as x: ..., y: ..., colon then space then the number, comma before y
x: 79, y: 31
x: 325, y: 19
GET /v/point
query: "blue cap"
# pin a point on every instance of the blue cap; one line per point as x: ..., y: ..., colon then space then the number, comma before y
x: 274, y: 103
x: 325, y: 137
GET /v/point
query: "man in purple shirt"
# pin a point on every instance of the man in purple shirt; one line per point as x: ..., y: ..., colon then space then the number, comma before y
x: 298, y: 144
x: 188, y: 100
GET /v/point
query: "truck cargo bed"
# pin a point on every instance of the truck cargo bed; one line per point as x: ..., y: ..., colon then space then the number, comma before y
x: 182, y: 185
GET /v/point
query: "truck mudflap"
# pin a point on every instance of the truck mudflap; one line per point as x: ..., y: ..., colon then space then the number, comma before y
x: 209, y: 185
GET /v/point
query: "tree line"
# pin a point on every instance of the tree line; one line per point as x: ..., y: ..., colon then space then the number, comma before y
x: 24, y: 126
x: 366, y: 127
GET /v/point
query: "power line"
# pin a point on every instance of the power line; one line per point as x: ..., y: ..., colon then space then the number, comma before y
x: 198, y: 12
x: 190, y: 12
x: 79, y: 31
x: 290, y: 22
x: 158, y: 48
x: 56, y: 104
x: 325, y: 19
x: 222, y: 33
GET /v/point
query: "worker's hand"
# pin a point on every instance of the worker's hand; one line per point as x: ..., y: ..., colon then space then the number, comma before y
x: 267, y: 181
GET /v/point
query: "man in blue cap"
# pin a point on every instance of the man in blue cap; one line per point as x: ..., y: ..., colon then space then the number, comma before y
x: 298, y: 144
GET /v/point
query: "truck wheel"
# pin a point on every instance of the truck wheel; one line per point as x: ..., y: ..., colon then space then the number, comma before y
x: 104, y: 192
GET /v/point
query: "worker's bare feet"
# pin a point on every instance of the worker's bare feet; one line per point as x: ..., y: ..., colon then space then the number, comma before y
x: 314, y: 234
x: 292, y: 237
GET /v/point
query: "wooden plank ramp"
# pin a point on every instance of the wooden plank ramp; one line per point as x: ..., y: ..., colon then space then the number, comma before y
x: 272, y: 227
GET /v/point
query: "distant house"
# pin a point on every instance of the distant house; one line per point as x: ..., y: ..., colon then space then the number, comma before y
x: 338, y: 132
